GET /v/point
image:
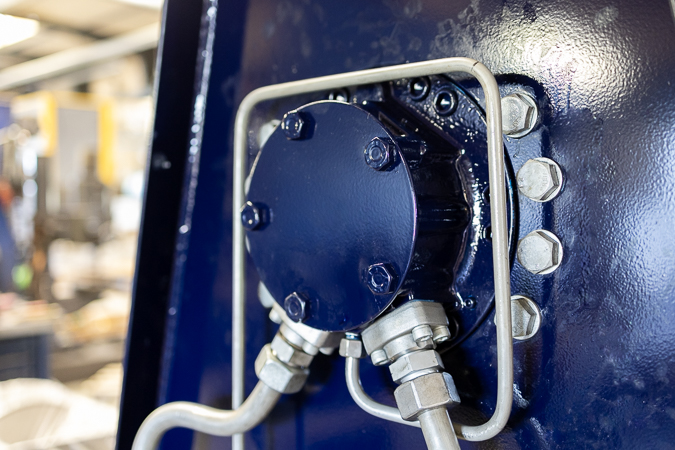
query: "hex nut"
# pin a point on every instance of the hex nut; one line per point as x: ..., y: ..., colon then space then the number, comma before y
x: 381, y: 279
x: 540, y: 252
x: 278, y: 375
x: 421, y: 361
x: 289, y: 354
x: 540, y: 179
x: 293, y: 125
x: 426, y: 392
x: 250, y: 216
x: 525, y: 318
x: 519, y: 114
x: 295, y: 307
x: 379, y: 153
x: 352, y: 348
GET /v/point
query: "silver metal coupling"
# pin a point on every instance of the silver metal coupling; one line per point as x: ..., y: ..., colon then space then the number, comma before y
x: 417, y: 325
x: 283, y: 364
x: 407, y: 338
x: 426, y: 392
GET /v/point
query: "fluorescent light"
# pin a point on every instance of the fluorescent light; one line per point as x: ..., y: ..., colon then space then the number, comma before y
x: 16, y: 29
x: 154, y: 4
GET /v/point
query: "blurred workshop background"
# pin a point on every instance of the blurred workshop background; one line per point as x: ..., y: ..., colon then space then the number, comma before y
x: 76, y: 109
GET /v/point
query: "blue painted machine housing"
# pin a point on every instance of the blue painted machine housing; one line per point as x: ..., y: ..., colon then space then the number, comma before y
x: 599, y: 372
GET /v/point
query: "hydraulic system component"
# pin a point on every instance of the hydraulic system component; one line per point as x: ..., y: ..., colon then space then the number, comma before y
x: 600, y: 74
x: 395, y: 210
x: 407, y: 338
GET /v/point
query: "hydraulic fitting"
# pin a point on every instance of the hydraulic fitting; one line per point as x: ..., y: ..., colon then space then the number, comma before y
x: 278, y: 375
x: 426, y: 392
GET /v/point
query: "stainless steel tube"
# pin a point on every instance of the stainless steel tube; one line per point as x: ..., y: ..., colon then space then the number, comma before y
x: 205, y: 419
x: 364, y: 401
x: 437, y: 430
x: 500, y: 254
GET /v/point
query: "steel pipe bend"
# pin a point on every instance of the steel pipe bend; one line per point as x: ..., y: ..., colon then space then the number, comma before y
x: 365, y: 402
x: 205, y: 419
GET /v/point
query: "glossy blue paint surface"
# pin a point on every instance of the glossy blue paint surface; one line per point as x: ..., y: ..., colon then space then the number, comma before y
x: 328, y: 216
x: 598, y: 373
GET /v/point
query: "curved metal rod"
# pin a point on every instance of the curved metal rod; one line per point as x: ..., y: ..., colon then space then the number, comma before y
x: 364, y: 401
x: 205, y: 419
x: 500, y: 253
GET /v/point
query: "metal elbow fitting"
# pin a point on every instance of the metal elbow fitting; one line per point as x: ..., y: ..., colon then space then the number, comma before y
x: 283, y: 364
x: 279, y: 375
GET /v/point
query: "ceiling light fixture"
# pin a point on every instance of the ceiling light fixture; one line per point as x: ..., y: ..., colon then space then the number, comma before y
x: 153, y: 4
x: 16, y: 29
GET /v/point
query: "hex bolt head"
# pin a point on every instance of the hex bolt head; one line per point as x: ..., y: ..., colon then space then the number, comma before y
x: 540, y: 179
x: 381, y: 279
x: 519, y: 114
x: 540, y: 252
x: 250, y: 216
x: 525, y: 318
x: 293, y: 125
x: 295, y: 307
x: 379, y: 153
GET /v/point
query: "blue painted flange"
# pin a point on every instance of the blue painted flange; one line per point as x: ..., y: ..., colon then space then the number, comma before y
x: 327, y: 216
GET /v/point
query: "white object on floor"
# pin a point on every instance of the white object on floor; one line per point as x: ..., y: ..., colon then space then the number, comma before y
x: 43, y: 414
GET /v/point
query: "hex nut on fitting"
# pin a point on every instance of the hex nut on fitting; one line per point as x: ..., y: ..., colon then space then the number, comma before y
x: 415, y: 363
x: 379, y: 153
x: 430, y: 391
x: 519, y: 114
x: 540, y: 252
x: 278, y: 375
x: 423, y: 336
x: 352, y: 348
x: 288, y: 354
x: 540, y: 179
x: 525, y: 318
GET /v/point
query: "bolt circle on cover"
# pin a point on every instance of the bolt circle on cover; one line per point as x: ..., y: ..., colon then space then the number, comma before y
x: 295, y: 307
x: 381, y: 278
x: 250, y: 216
x: 378, y: 153
x: 293, y: 125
